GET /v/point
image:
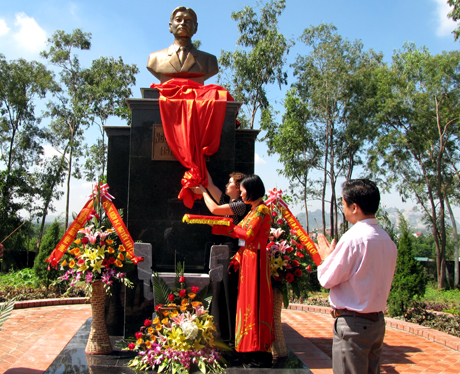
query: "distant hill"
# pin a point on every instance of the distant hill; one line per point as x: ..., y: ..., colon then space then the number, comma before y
x: 413, y: 217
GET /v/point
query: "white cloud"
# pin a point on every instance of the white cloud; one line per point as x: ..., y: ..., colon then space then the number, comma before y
x: 445, y: 24
x: 30, y: 35
x: 4, y: 29
x: 259, y: 160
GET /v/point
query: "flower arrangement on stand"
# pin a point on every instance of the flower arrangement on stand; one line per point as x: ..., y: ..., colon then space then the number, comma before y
x: 181, y: 335
x: 96, y: 255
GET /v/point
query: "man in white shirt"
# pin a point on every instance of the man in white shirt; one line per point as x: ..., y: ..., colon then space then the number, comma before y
x: 358, y: 271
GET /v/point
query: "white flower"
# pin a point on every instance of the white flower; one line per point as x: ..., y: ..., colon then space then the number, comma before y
x: 276, y: 232
x: 189, y: 329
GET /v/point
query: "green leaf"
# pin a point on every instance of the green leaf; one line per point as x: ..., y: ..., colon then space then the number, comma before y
x: 5, y: 311
x: 161, y: 289
x: 202, y: 366
x: 285, y: 299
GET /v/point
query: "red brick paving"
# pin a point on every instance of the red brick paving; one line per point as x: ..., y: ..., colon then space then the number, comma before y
x: 32, y: 338
x: 403, y: 352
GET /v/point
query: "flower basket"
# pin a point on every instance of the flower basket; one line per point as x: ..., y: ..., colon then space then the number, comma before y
x: 279, y: 348
x: 98, y: 339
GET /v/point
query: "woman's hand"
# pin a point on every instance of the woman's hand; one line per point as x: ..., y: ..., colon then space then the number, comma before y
x: 198, y: 190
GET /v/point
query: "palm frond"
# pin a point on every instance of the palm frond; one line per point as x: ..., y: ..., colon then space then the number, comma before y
x: 161, y: 289
x: 5, y: 311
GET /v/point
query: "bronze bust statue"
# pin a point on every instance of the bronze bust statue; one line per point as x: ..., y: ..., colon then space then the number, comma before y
x: 182, y: 59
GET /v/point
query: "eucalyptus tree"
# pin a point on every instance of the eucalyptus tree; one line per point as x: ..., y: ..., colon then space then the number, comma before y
x: 70, y: 112
x: 297, y: 147
x: 108, y: 83
x: 258, y: 60
x: 334, y: 82
x: 22, y: 84
x: 417, y: 149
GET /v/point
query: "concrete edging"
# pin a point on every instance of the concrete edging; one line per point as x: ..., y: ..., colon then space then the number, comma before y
x: 411, y: 328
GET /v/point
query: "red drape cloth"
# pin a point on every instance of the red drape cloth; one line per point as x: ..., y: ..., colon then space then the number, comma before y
x: 192, y: 115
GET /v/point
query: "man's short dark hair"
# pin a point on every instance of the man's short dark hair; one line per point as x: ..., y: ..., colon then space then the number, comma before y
x: 362, y: 192
x: 184, y: 9
x: 254, y: 187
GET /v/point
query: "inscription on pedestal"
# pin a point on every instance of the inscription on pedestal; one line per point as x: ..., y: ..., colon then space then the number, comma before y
x: 160, y: 148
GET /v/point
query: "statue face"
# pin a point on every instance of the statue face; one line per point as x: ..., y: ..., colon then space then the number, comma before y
x: 183, y: 25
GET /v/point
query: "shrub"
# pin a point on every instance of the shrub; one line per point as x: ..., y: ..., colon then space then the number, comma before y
x: 409, y: 281
x: 49, y: 242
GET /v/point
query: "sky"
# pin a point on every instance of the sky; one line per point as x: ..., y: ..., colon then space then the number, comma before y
x: 133, y: 29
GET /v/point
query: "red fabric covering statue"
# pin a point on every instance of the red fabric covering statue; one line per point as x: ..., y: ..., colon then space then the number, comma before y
x: 192, y: 115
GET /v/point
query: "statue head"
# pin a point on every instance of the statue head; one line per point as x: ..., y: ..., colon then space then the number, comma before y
x: 183, y: 22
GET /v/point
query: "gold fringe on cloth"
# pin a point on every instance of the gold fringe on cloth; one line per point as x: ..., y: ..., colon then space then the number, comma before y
x: 279, y: 348
x: 98, y: 340
x: 206, y: 220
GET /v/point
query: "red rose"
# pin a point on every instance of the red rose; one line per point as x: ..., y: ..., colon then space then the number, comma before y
x: 112, y: 260
x: 97, y: 216
x: 295, y: 263
x: 158, y: 307
x: 274, y: 214
x: 287, y: 266
x: 171, y: 297
x: 139, y: 335
x: 286, y: 258
x: 278, y: 279
x: 280, y: 221
x: 289, y: 249
x: 105, y: 263
x: 293, y: 232
x: 85, y: 240
x: 299, y: 246
x: 299, y: 254
x: 309, y: 268
x: 298, y: 272
x: 93, y: 211
x: 131, y: 346
x: 101, y: 243
x: 271, y: 238
x: 290, y: 277
x: 148, y: 322
x: 181, y: 279
x: 195, y: 289
x: 182, y: 293
x: 81, y: 262
x: 89, y: 217
x: 293, y: 242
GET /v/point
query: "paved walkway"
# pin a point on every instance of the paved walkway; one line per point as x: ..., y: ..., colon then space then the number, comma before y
x: 31, y: 339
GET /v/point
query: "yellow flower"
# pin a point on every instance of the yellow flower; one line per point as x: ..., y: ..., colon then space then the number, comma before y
x: 64, y: 263
x: 196, y: 303
x: 109, y: 241
x: 191, y: 295
x: 153, y: 339
x: 78, y: 241
x: 101, y: 251
x: 110, y: 250
x: 118, y: 263
x: 110, y: 230
x: 151, y: 330
x: 166, y: 313
x: 97, y: 266
x: 184, y: 302
x: 72, y: 264
x: 156, y: 321
x: 165, y: 321
x: 148, y: 343
x: 183, y: 308
x: 139, y: 341
x: 159, y: 327
x: 120, y: 256
x: 121, y: 248
x: 83, y: 268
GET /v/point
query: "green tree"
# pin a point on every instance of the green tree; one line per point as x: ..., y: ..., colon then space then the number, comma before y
x: 297, y: 147
x: 49, y: 242
x: 409, y: 280
x: 455, y: 15
x: 258, y: 61
x: 108, y: 83
x: 417, y: 148
x: 70, y: 113
x: 334, y: 81
x: 22, y: 83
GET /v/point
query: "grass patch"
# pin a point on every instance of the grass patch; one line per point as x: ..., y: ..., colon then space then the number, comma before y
x: 432, y: 295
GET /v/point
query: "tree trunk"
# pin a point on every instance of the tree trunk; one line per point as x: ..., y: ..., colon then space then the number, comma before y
x: 454, y: 226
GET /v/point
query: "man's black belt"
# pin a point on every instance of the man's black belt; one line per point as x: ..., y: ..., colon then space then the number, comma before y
x: 374, y: 317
